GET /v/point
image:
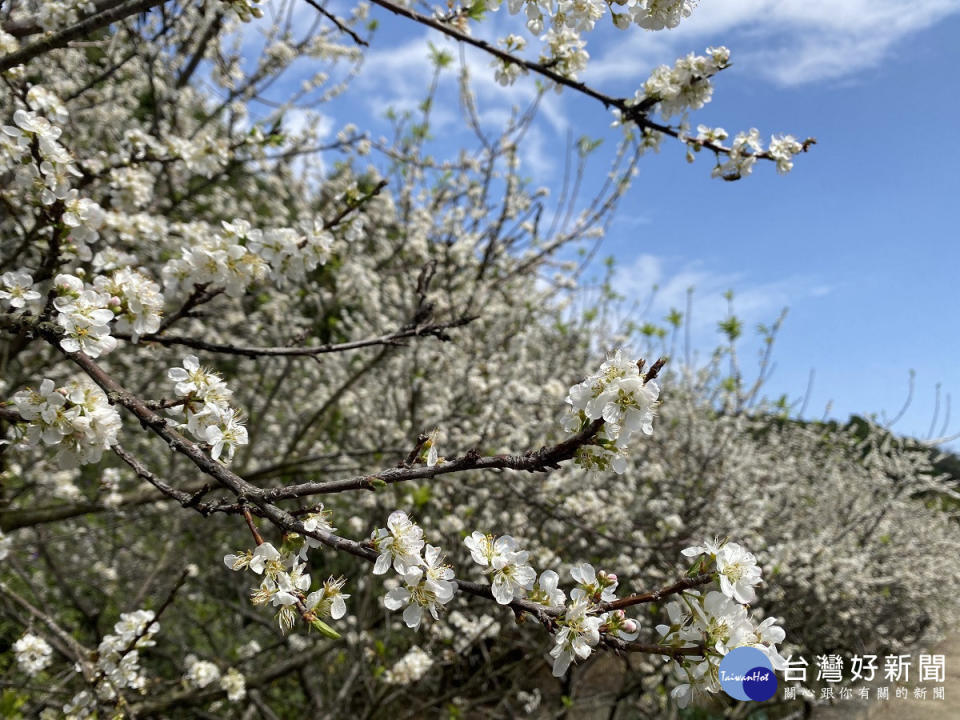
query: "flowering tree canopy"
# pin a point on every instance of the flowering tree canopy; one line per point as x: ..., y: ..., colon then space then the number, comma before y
x: 325, y: 426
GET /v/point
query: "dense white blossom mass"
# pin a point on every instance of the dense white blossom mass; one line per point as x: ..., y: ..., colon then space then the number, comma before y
x: 358, y: 383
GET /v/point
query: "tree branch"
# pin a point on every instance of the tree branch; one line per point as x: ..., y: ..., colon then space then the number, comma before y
x: 532, y: 461
x: 657, y: 595
x: 81, y: 29
x: 435, y: 330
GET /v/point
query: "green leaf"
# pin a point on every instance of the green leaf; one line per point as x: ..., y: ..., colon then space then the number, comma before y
x: 731, y: 327
x: 440, y: 58
x: 325, y: 629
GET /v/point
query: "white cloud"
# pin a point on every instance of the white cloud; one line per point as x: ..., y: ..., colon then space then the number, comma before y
x: 657, y: 285
x: 400, y: 76
x: 800, y: 41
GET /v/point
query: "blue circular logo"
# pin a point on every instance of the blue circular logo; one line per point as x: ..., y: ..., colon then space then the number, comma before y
x: 746, y: 674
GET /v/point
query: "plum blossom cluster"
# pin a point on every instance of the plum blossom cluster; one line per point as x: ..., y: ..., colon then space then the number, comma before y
x: 626, y: 403
x: 84, y: 312
x: 235, y: 685
x: 242, y: 256
x: 76, y: 417
x: 33, y: 653
x: 209, y: 417
x: 582, y: 15
x: 285, y: 585
x: 426, y: 580
x: 410, y: 668
x: 718, y: 620
x: 511, y: 575
x: 580, y: 622
x: 661, y: 14
x: 506, y: 72
x: 685, y: 86
x: 134, y: 299
x: 246, y: 10
x: 200, y: 673
x: 564, y: 49
x: 56, y: 14
x: 45, y: 179
x: 84, y: 315
x: 118, y: 663
x: 747, y: 147
x: 567, y: 55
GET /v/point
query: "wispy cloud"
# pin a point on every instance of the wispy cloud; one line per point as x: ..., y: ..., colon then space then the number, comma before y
x: 794, y: 41
x: 659, y: 285
x: 408, y: 68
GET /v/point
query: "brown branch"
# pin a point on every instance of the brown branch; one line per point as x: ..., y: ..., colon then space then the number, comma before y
x: 208, y: 34
x: 257, y: 537
x: 636, y: 112
x: 336, y: 21
x: 677, y: 653
x: 657, y: 595
x: 257, y: 497
x: 81, y: 29
x: 435, y: 330
x: 28, y: 517
x: 25, y: 28
x: 538, y: 68
x: 533, y: 461
x: 9, y: 414
x: 654, y: 370
x: 338, y: 218
x: 186, y: 499
x: 199, y: 296
x: 64, y: 641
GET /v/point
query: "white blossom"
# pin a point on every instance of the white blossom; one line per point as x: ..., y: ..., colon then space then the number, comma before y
x: 410, y: 668
x: 235, y: 684
x: 399, y: 544
x: 200, y: 673
x: 424, y: 588
x: 33, y: 653
x: 579, y: 633
x: 18, y: 289
x: 739, y: 573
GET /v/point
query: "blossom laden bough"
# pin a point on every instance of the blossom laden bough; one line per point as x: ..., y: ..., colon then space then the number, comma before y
x: 286, y: 584
x: 718, y: 621
x: 77, y: 418
x: 206, y: 406
x: 624, y: 400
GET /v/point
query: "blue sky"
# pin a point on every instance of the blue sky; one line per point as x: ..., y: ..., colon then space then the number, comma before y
x: 859, y: 240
